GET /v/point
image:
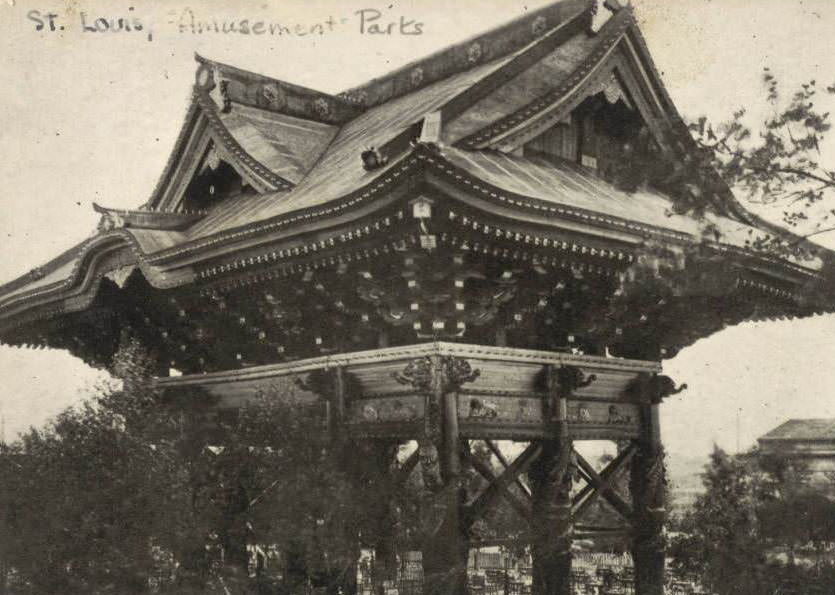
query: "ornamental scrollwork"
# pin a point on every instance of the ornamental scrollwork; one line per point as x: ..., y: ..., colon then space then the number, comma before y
x: 453, y: 372
x: 650, y: 484
x: 110, y: 220
x: 417, y: 373
x: 318, y: 382
x: 457, y: 372
x: 562, y: 385
x: 572, y: 378
x: 430, y: 465
x: 321, y: 107
x: 662, y: 387
x: 225, y: 99
x: 474, y: 53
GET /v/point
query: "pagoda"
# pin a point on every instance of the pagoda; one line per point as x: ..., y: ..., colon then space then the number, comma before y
x: 476, y: 246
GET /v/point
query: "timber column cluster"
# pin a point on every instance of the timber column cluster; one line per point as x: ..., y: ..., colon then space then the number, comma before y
x: 444, y: 520
x: 444, y: 396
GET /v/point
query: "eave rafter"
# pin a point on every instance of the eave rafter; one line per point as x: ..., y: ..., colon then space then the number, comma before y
x: 484, y: 216
x: 142, y: 219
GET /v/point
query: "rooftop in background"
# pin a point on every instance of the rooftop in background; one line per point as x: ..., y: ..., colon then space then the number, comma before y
x: 802, y: 430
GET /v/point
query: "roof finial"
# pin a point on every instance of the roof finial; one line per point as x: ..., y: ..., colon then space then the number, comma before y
x: 599, y: 12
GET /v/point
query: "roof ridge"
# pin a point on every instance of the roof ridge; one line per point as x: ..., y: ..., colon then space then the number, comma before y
x: 605, y: 40
x: 478, y: 49
x: 229, y: 68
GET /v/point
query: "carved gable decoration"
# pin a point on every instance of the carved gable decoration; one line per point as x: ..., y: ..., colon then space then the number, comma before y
x: 603, y: 129
x: 220, y: 138
x: 214, y: 179
x: 539, y: 103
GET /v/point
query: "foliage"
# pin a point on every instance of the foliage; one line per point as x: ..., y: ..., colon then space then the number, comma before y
x: 294, y: 488
x: 137, y: 490
x: 753, y: 507
x: 90, y: 500
x: 721, y: 541
x: 780, y: 161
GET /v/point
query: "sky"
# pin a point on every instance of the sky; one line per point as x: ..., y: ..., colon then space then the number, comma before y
x: 88, y: 116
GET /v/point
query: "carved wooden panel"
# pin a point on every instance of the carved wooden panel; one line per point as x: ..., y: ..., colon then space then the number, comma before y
x: 394, y: 416
x: 405, y: 408
x: 503, y: 397
x: 501, y: 416
x: 601, y: 419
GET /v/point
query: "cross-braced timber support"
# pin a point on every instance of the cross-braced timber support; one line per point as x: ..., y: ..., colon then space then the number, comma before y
x: 446, y: 395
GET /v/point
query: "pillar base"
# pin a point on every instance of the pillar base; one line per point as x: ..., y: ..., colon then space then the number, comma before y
x: 447, y: 546
x: 551, y: 574
x: 649, y: 562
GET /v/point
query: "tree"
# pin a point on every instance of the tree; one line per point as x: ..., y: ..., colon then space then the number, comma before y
x: 720, y: 542
x: 781, y: 161
x: 109, y: 496
x: 753, y: 506
x: 138, y: 489
x: 288, y: 485
x: 91, y: 499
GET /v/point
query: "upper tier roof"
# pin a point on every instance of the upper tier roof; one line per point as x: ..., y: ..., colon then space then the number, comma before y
x: 299, y: 150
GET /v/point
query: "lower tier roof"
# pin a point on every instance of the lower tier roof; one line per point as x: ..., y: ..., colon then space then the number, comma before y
x: 555, y: 194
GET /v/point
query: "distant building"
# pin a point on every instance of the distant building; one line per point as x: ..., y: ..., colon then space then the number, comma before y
x: 809, y: 440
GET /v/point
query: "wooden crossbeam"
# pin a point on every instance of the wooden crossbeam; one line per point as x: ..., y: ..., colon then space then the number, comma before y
x: 598, y: 529
x: 521, y: 507
x: 484, y: 500
x: 602, y: 485
x: 505, y: 463
x: 622, y: 533
x: 614, y: 466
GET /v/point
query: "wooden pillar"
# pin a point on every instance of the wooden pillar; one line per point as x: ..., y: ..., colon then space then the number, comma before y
x: 446, y: 533
x: 648, y: 487
x: 345, y: 581
x: 550, y: 479
x: 336, y: 405
x: 382, y: 457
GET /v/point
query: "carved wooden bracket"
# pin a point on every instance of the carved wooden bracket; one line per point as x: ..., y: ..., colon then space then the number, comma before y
x: 318, y: 382
x: 654, y: 388
x: 452, y: 372
x: 417, y: 373
x: 571, y: 378
x: 456, y: 372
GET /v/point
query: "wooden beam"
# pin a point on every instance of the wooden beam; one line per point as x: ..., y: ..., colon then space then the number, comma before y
x: 612, y: 467
x: 484, y: 500
x: 505, y: 463
x: 621, y: 533
x: 603, y: 485
x: 600, y: 530
x: 522, y: 508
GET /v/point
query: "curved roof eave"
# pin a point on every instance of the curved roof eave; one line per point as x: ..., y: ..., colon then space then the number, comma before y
x: 88, y: 266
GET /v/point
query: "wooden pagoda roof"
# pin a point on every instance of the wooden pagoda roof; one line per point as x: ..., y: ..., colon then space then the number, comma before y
x: 300, y: 149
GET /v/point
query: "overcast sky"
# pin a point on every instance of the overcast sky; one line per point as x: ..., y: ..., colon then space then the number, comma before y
x: 88, y: 116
